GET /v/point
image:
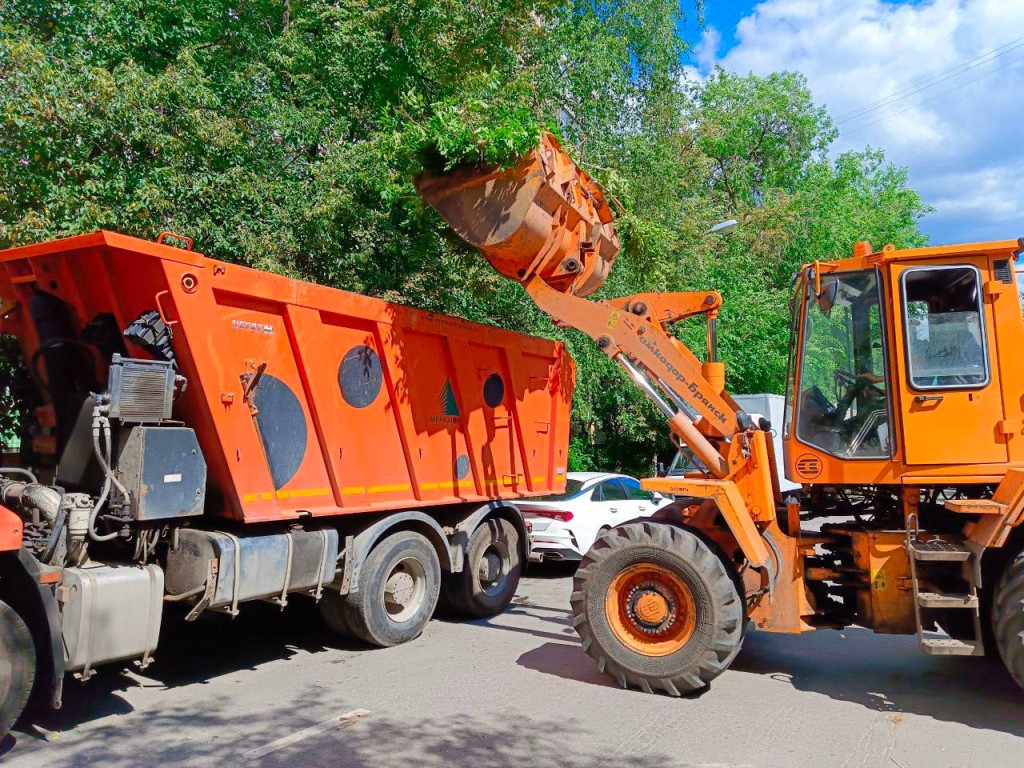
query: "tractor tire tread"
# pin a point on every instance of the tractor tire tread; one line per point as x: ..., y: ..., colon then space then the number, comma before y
x: 1008, y: 618
x: 727, y: 630
x: 17, y: 667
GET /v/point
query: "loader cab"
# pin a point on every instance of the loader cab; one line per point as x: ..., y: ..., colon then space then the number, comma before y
x: 895, y: 367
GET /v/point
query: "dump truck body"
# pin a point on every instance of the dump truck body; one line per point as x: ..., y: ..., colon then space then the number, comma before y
x: 209, y: 434
x: 311, y: 400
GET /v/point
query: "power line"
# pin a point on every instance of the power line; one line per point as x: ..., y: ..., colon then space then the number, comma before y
x: 941, y: 77
x: 861, y: 128
x: 946, y: 75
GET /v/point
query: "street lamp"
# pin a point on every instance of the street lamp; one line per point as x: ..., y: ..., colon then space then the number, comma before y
x: 726, y: 227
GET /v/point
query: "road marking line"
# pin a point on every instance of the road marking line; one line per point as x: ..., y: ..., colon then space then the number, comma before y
x: 342, y: 721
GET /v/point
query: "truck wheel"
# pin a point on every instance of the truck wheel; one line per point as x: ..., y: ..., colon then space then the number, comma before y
x: 17, y: 666
x: 1008, y: 618
x: 657, y: 608
x: 490, y: 576
x: 398, y: 588
x: 333, y: 609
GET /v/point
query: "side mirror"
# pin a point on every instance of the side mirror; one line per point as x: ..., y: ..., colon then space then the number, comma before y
x: 657, y: 497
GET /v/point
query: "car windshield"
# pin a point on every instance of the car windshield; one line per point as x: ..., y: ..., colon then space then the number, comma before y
x: 572, y: 488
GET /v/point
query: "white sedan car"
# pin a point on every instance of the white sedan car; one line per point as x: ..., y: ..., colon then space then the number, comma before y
x: 564, y: 526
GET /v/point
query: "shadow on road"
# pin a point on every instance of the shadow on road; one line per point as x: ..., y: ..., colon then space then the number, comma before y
x: 889, y: 673
x: 190, y: 653
x: 566, y: 660
x: 881, y: 672
x: 504, y: 739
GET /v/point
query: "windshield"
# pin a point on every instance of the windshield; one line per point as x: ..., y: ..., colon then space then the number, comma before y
x: 843, y: 403
x: 572, y: 488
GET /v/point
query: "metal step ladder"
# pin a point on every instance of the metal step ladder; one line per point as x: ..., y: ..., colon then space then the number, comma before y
x: 948, y: 555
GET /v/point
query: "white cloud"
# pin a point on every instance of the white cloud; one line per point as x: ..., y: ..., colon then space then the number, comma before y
x: 908, y: 78
x: 706, y: 51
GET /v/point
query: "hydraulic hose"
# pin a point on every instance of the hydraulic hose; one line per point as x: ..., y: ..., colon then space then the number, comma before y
x: 45, y: 499
x: 101, y: 427
x: 19, y: 471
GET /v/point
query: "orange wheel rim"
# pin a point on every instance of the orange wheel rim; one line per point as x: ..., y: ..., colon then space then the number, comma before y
x: 650, y: 610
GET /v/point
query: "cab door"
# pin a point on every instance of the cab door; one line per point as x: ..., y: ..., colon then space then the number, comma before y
x: 950, y: 402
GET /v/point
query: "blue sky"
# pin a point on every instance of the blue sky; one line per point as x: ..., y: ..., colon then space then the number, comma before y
x: 937, y: 84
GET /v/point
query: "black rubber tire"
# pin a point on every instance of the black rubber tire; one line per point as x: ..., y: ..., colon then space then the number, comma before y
x: 17, y: 666
x: 464, y: 592
x: 365, y: 609
x: 333, y: 609
x: 717, y: 637
x: 1008, y: 618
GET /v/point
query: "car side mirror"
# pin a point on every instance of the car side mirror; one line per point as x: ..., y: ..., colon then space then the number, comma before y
x: 656, y: 497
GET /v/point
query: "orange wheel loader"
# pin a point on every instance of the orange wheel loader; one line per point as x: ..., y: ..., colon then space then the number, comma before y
x: 207, y: 435
x: 904, y: 426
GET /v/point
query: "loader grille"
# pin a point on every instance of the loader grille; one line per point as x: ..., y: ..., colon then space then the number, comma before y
x: 1002, y: 271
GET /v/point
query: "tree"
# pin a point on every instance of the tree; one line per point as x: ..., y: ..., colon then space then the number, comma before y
x: 285, y: 136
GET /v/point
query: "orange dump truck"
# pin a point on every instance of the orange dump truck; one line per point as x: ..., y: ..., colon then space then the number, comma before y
x: 208, y: 434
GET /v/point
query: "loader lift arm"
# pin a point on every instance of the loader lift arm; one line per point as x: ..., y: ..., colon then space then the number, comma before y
x: 545, y: 224
x: 658, y: 603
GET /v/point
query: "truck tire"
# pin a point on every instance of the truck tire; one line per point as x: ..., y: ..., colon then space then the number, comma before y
x: 398, y: 589
x: 657, y: 609
x: 1008, y: 618
x: 17, y: 666
x: 490, y: 576
x: 333, y: 609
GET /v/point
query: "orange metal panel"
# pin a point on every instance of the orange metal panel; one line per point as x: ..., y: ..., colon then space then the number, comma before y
x: 358, y: 404
x: 730, y: 503
x: 886, y: 605
x: 10, y: 530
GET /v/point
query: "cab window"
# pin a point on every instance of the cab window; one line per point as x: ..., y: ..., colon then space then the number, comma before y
x: 945, y: 332
x: 843, y: 405
x: 612, y: 490
x: 636, y: 493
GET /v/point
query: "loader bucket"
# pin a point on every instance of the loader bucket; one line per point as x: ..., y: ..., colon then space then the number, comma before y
x: 543, y: 217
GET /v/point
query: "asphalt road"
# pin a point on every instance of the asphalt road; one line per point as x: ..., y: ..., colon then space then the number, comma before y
x: 274, y: 689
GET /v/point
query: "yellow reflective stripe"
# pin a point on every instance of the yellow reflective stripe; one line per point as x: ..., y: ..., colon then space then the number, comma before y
x: 438, y: 486
x: 303, y: 493
x: 359, y: 490
x: 296, y: 494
